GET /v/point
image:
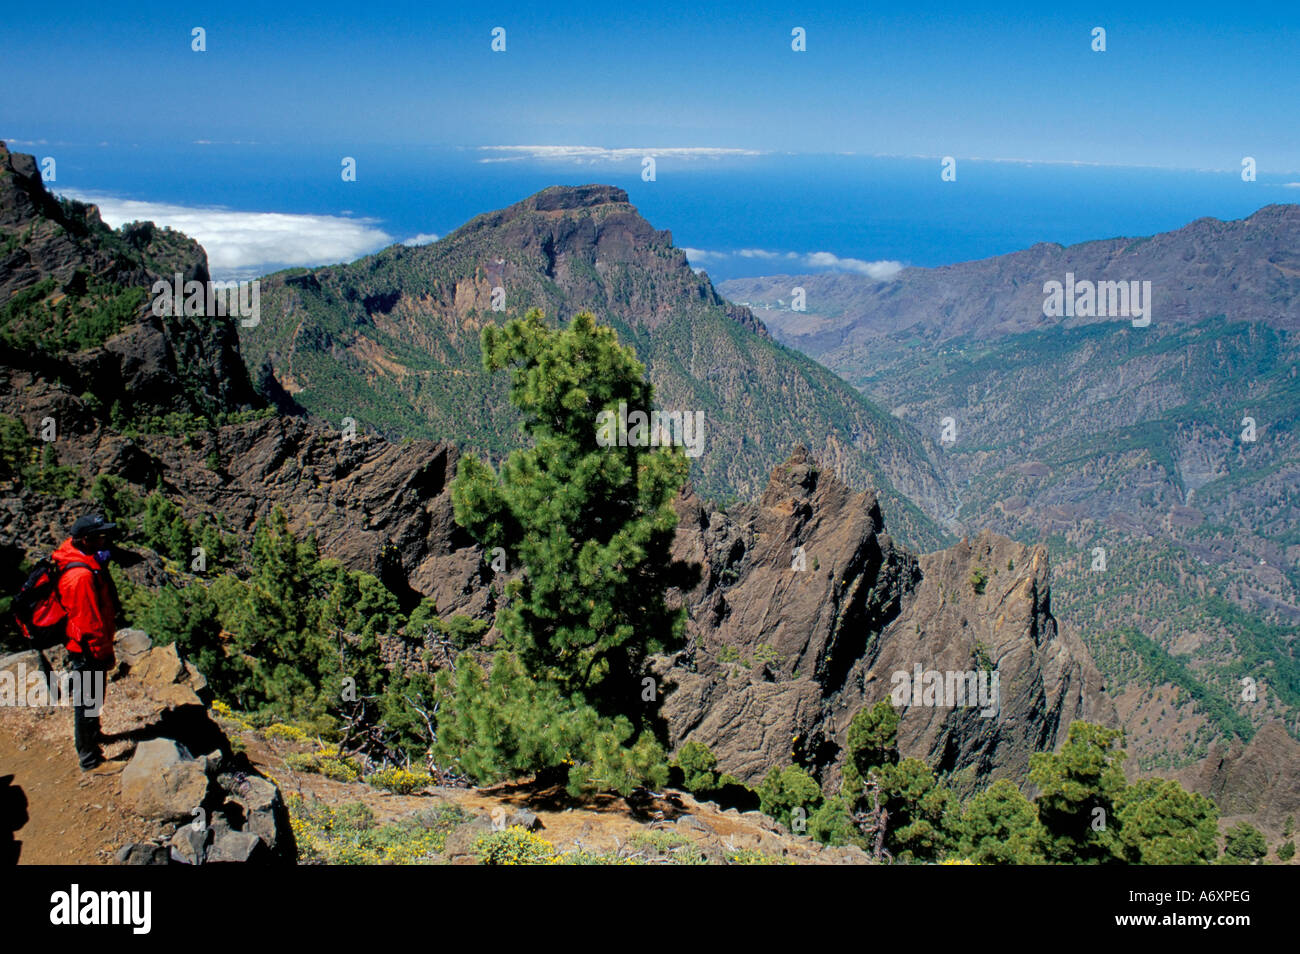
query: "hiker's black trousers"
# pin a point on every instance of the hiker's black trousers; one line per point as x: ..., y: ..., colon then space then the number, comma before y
x: 85, y: 727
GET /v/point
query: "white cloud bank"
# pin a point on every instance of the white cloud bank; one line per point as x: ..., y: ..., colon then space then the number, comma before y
x: 594, y: 154
x: 881, y: 271
x: 242, y: 245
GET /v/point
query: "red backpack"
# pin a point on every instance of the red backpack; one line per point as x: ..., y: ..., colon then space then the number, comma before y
x: 37, y: 607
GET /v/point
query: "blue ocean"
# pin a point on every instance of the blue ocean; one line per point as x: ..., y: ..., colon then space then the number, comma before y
x: 852, y: 206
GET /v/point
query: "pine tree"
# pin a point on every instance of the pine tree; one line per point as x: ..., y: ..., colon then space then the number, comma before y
x: 872, y: 741
x: 1244, y: 844
x: 1161, y: 823
x: 999, y: 826
x: 785, y: 790
x: 592, y: 528
x: 1078, y: 789
x: 190, y: 616
x: 922, y: 810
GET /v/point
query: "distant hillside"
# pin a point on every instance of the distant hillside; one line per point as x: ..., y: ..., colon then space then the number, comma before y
x: 1248, y: 269
x: 392, y: 341
x: 1092, y: 433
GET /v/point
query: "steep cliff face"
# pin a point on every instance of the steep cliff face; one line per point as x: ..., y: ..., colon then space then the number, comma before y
x: 778, y: 659
x: 75, y: 300
x: 808, y: 609
x: 985, y: 602
x: 591, y: 243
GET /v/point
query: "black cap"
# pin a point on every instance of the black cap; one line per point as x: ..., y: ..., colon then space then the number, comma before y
x: 90, y: 524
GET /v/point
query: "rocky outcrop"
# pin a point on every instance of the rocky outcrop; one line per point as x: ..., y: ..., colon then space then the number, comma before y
x: 380, y: 507
x: 164, y: 781
x: 152, y: 366
x: 1259, y: 781
x: 208, y: 808
x: 808, y: 608
x: 174, y: 790
x: 779, y: 658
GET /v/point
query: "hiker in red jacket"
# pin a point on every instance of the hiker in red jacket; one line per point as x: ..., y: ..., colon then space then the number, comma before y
x: 87, y: 594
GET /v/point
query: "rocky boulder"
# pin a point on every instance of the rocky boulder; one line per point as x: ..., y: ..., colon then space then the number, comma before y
x: 164, y: 781
x: 130, y: 646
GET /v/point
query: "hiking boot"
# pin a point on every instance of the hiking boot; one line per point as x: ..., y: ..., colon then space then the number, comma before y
x: 93, y: 761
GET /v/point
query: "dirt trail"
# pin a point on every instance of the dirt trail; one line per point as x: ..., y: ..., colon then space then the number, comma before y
x: 57, y: 813
x: 53, y: 813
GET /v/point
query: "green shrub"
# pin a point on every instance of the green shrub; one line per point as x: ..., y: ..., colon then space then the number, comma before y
x: 327, y: 762
x: 832, y: 824
x: 513, y: 846
x: 17, y: 449
x: 784, y: 790
x: 1160, y: 823
x: 399, y: 781
x: 752, y: 856
x: 999, y: 826
x: 347, y: 834
x: 117, y: 500
x: 697, y: 763
x: 1244, y: 844
x: 582, y: 856
x: 664, y: 847
x: 288, y: 733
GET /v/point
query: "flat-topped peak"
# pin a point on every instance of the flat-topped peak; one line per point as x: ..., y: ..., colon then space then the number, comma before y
x: 558, y: 198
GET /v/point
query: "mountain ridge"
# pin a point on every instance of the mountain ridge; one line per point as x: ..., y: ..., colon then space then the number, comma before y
x: 1002, y: 294
x: 392, y: 341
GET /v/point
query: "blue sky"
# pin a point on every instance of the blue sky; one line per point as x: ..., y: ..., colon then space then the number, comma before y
x: 1180, y: 85
x: 765, y: 155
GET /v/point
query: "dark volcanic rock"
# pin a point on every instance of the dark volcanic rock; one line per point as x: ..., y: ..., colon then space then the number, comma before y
x: 780, y: 659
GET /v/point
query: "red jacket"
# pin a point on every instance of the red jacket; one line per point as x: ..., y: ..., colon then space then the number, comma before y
x: 89, y: 600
